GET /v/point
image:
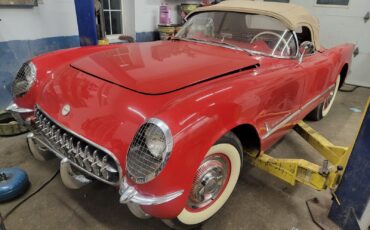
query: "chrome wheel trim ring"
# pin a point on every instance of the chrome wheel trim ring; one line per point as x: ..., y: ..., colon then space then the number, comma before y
x: 210, y: 181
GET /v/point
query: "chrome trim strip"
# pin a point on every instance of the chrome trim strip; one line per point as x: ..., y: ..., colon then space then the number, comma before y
x: 16, y: 109
x: 292, y: 115
x: 166, y: 131
x: 17, y: 112
x: 167, y: 152
x: 251, y: 52
x: 278, y: 43
x: 296, y: 43
x: 130, y: 194
x: 89, y: 142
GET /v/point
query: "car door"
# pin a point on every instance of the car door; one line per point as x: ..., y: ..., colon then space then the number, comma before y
x: 317, y: 71
x: 282, y: 98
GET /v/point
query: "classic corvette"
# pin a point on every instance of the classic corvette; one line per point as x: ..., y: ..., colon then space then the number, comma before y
x: 168, y: 122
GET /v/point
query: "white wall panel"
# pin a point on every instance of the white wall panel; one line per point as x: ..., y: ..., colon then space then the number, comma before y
x: 51, y: 18
x: 341, y: 24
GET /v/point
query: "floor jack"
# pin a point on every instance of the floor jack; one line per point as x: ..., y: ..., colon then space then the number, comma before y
x: 318, y: 177
x: 325, y: 176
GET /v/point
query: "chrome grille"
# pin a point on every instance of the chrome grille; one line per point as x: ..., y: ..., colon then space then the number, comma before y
x: 141, y: 164
x: 94, y: 161
x: 21, y: 85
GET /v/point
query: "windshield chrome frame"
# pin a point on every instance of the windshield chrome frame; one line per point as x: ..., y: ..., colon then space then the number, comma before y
x: 251, y: 52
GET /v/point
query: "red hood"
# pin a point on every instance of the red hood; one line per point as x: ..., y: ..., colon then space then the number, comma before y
x: 164, y: 66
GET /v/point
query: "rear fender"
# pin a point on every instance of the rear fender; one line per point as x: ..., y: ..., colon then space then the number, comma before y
x: 343, y: 55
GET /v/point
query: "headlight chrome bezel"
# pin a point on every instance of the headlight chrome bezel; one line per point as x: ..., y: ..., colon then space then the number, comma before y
x: 27, y: 75
x: 137, y: 139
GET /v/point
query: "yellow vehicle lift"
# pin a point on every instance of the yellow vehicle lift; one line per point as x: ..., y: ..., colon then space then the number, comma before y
x: 315, y: 176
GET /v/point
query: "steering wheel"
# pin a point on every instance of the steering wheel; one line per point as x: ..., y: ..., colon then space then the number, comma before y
x: 276, y: 35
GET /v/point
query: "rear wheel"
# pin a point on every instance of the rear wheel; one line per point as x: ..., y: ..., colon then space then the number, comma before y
x: 324, y: 108
x: 214, y: 181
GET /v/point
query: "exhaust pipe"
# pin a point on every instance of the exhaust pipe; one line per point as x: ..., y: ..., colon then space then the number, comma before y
x: 69, y: 178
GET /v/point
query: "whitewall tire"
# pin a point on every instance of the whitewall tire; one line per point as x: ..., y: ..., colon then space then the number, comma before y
x: 328, y: 103
x: 213, y: 184
x: 323, y: 109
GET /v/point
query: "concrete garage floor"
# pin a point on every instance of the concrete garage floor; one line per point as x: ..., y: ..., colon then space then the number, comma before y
x: 259, y: 201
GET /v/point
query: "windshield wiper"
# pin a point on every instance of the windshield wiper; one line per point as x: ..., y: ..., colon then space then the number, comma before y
x: 232, y: 46
x: 250, y: 52
x: 189, y: 39
x: 177, y: 38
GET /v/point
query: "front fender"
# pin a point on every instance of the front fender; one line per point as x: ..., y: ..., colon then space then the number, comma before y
x: 197, y: 122
x: 53, y: 64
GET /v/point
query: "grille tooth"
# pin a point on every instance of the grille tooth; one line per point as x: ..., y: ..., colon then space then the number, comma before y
x: 78, y: 151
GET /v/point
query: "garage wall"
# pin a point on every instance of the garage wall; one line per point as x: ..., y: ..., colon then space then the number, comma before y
x: 340, y: 24
x: 147, y: 17
x: 27, y: 32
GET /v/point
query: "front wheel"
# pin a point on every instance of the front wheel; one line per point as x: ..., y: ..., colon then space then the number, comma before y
x: 214, y: 181
x: 323, y: 109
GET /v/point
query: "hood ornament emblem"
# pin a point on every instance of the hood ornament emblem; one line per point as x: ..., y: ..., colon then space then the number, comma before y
x: 66, y: 110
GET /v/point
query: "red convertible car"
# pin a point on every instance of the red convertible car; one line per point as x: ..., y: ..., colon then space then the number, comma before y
x: 168, y: 122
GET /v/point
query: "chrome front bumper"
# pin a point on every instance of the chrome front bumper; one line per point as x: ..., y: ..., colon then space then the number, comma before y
x: 17, y: 113
x: 130, y: 194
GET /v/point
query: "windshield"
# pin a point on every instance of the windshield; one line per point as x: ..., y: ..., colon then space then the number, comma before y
x: 257, y: 34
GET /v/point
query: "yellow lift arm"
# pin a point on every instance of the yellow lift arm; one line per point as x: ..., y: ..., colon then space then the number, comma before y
x: 318, y: 177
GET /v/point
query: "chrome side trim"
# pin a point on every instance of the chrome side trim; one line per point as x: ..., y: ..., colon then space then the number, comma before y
x: 130, y: 194
x: 292, y: 115
x: 85, y: 139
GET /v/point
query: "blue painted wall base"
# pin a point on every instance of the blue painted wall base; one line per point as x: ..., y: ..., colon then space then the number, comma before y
x: 354, y: 190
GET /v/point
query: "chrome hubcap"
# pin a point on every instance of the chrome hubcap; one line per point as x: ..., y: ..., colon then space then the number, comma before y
x: 210, y: 180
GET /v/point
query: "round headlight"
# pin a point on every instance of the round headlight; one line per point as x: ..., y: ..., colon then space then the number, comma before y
x: 155, y: 141
x: 24, y: 80
x: 149, y: 151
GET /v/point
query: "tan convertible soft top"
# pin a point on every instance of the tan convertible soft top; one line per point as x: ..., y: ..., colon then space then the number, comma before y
x: 293, y: 16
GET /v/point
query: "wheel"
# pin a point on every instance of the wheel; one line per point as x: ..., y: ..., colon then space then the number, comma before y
x: 323, y: 109
x: 214, y: 181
